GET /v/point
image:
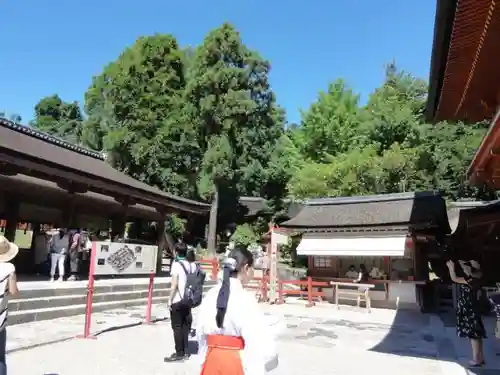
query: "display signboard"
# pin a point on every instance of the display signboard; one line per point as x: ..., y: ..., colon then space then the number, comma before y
x: 115, y: 258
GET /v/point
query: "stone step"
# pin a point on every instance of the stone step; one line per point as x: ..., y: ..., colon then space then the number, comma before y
x: 26, y: 316
x: 76, y: 299
x: 60, y: 300
x: 48, y: 289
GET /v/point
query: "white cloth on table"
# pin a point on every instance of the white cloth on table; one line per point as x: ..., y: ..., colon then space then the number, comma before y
x: 243, y: 318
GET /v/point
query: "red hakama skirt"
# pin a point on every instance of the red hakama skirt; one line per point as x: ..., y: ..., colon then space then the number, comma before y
x: 223, y: 355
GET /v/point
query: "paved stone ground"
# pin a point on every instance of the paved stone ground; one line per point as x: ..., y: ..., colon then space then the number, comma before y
x: 317, y: 341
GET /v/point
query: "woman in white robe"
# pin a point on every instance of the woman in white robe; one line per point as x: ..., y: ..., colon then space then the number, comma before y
x: 234, y: 336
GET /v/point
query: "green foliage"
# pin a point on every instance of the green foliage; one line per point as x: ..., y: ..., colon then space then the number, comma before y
x: 202, y: 122
x: 61, y: 119
x: 237, y: 122
x: 244, y: 235
x: 330, y: 126
x: 137, y: 115
x: 175, y: 226
x: 391, y: 148
x: 233, y: 108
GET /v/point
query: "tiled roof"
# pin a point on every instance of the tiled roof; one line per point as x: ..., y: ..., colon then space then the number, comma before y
x: 28, y: 130
x: 412, y: 209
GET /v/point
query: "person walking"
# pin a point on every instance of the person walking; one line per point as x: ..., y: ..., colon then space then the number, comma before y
x: 75, y: 249
x: 469, y: 322
x: 8, y: 286
x: 59, y: 244
x: 234, y: 337
x: 180, y: 311
x: 191, y: 258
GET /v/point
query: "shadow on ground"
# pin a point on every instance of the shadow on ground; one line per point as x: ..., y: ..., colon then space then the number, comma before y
x: 412, y: 335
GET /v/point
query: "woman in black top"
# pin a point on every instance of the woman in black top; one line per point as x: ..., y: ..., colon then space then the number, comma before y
x: 469, y: 322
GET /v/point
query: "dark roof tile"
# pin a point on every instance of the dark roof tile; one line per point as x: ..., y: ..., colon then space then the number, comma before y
x: 427, y: 208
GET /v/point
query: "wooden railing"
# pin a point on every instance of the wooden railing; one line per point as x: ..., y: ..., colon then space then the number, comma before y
x: 307, y: 290
x: 310, y: 290
x: 352, y: 291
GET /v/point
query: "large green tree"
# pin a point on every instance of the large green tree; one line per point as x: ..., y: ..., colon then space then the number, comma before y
x: 330, y: 126
x: 137, y: 115
x: 238, y: 123
x: 387, y: 148
x: 59, y: 118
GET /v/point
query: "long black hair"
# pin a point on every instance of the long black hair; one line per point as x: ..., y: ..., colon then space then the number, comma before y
x: 364, y: 273
x: 237, y: 259
x: 191, y: 256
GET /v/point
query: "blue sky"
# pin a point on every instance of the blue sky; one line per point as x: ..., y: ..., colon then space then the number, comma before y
x: 57, y: 46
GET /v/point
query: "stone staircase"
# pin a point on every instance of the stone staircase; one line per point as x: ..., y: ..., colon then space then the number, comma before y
x: 41, y: 300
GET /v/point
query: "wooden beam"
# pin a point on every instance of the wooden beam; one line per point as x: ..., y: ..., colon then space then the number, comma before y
x: 109, y: 188
x: 478, y: 171
x: 8, y: 169
x: 485, y: 222
x: 12, y: 205
x: 72, y: 187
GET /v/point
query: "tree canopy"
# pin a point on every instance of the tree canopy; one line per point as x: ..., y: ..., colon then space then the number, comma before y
x: 59, y: 118
x: 203, y: 122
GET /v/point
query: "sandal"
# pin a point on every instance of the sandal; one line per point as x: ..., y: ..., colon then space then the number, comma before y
x: 474, y: 364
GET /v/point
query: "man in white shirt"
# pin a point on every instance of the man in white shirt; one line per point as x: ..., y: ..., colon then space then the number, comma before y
x: 180, y: 312
x: 59, y: 244
x: 351, y: 273
x: 8, y: 286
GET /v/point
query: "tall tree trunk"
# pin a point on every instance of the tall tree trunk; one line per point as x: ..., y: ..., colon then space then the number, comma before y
x: 212, y: 223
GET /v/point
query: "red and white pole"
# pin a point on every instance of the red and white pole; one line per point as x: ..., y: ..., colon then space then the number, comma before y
x: 150, y: 298
x: 90, y: 295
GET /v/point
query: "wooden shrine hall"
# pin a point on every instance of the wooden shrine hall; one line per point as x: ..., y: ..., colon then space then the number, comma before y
x: 465, y: 79
x: 46, y: 180
x: 465, y: 86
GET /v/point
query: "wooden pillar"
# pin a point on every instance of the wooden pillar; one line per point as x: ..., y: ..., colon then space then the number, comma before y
x: 35, y: 232
x: 68, y: 213
x: 12, y: 205
x: 134, y: 229
x: 118, y: 226
x: 162, y: 243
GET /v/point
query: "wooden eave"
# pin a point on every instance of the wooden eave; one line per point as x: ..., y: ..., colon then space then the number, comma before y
x: 485, y: 167
x: 465, y: 80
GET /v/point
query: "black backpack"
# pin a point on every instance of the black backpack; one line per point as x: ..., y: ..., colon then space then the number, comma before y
x: 193, y: 292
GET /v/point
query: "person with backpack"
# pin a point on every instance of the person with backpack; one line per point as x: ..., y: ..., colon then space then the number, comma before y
x: 191, y: 258
x: 185, y: 293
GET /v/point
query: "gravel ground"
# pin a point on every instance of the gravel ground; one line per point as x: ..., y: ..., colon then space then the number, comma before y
x: 317, y: 341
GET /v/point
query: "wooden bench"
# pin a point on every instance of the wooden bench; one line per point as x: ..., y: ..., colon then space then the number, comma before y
x: 351, y: 291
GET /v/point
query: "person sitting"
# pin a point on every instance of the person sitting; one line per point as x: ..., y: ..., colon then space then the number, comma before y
x: 376, y: 274
x: 351, y: 272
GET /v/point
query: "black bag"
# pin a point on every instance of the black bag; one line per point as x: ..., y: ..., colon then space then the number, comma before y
x: 193, y: 292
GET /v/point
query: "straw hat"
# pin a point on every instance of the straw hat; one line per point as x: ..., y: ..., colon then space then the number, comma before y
x: 8, y: 250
